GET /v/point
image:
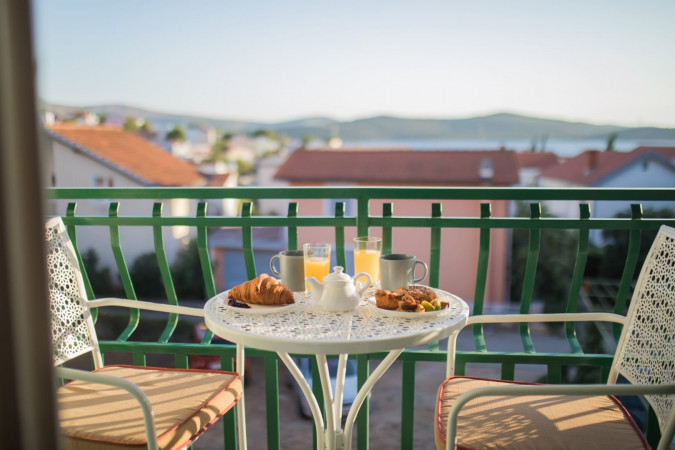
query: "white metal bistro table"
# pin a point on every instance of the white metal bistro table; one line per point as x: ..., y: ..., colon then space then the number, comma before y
x: 304, y: 328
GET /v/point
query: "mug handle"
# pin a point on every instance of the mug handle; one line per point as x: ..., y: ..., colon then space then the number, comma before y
x: 426, y: 271
x: 272, y: 268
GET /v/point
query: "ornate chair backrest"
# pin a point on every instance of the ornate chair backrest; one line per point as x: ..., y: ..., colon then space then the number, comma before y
x: 73, y: 332
x: 646, y: 350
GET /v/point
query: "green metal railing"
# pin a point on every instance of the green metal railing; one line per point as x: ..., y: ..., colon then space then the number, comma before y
x: 362, y: 222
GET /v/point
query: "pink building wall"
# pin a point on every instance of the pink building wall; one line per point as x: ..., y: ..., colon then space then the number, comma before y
x: 459, y: 254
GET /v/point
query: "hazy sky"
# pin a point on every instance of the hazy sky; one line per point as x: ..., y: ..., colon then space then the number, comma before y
x: 607, y: 61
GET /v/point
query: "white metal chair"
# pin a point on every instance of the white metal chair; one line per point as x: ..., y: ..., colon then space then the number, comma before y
x: 123, y: 406
x: 504, y: 414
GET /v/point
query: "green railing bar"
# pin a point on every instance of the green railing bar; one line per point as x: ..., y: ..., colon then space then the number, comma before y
x: 653, y: 432
x: 629, y: 266
x: 203, y: 252
x: 387, y: 239
x: 528, y: 281
x: 435, y: 246
x: 413, y: 222
x: 292, y: 229
x: 340, y: 253
x: 262, y: 221
x: 205, y: 263
x: 554, y: 374
x: 577, y: 280
x: 272, y: 401
x: 365, y: 193
x: 165, y: 273
x: 508, y: 371
x: 247, y: 242
x: 481, y: 277
x: 72, y: 234
x: 362, y: 215
x: 363, y: 417
x: 408, y: 404
x: 134, y: 313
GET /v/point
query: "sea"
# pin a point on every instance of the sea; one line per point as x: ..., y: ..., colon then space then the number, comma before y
x: 562, y: 147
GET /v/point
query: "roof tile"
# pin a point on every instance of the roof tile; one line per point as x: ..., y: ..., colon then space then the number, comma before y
x: 403, y: 167
x: 128, y: 152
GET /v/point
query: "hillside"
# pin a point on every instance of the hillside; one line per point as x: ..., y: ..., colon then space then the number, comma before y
x: 495, y: 126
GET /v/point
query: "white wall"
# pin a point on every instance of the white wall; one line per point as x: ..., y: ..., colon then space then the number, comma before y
x: 649, y: 173
x: 267, y: 168
x: 72, y: 169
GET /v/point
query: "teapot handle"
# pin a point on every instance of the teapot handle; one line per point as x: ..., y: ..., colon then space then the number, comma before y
x: 366, y: 285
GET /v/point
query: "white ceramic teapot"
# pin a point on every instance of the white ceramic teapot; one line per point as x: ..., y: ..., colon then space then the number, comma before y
x: 338, y: 291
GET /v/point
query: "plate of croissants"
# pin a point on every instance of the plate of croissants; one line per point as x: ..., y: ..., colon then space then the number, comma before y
x: 415, y: 301
x: 262, y: 294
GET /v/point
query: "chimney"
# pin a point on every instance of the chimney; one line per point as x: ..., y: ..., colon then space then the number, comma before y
x: 591, y: 161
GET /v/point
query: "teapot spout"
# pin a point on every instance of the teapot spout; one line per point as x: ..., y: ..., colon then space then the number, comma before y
x: 315, y: 286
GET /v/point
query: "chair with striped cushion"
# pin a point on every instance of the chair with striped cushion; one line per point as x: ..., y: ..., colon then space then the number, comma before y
x: 474, y: 413
x: 117, y: 407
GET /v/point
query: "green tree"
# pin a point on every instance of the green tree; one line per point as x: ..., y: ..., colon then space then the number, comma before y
x: 176, y: 134
x: 130, y: 124
x: 610, y: 141
x: 187, y: 273
x: 554, y: 267
x: 100, y: 278
x: 608, y: 261
x: 306, y: 139
x: 146, y: 128
x: 147, y: 278
x: 271, y: 134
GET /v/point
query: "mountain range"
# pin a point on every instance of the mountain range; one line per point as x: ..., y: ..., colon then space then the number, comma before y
x: 494, y: 126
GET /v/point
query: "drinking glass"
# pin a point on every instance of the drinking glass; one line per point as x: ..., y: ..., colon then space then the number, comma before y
x: 367, y: 251
x: 317, y: 261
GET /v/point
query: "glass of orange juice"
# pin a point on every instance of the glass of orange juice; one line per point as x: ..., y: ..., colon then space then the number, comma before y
x: 317, y: 261
x: 367, y: 251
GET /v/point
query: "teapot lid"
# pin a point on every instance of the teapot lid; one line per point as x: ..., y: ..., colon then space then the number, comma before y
x: 337, y: 275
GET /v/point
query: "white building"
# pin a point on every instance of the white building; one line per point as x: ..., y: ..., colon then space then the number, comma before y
x: 102, y: 156
x: 644, y: 167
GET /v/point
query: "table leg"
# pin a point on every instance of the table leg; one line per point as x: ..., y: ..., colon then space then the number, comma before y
x: 363, y: 392
x: 311, y: 400
x: 324, y: 375
x: 339, y: 389
x: 241, y: 410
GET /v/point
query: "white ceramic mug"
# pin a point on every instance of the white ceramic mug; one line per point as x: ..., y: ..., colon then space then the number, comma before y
x: 291, y: 269
x: 398, y: 270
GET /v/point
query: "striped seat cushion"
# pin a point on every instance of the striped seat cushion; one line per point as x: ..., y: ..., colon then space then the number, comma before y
x: 185, y: 402
x: 534, y: 422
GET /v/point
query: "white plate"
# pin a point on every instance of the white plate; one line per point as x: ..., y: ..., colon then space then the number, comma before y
x: 442, y: 295
x: 259, y: 309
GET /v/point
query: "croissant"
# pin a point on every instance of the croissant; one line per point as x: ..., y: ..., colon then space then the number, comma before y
x: 263, y: 290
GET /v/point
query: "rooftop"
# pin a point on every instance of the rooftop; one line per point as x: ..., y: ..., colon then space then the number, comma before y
x: 402, y: 167
x: 127, y: 153
x: 591, y: 166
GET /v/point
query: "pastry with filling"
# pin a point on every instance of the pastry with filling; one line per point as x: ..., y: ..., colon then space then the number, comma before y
x: 263, y: 290
x: 409, y: 304
x: 388, y: 299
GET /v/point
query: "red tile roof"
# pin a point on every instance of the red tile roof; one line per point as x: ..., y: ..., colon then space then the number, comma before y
x: 399, y: 167
x: 664, y: 152
x: 128, y: 153
x: 591, y: 166
x: 539, y: 160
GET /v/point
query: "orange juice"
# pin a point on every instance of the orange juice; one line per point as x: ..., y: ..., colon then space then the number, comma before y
x: 317, y: 268
x: 368, y: 261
